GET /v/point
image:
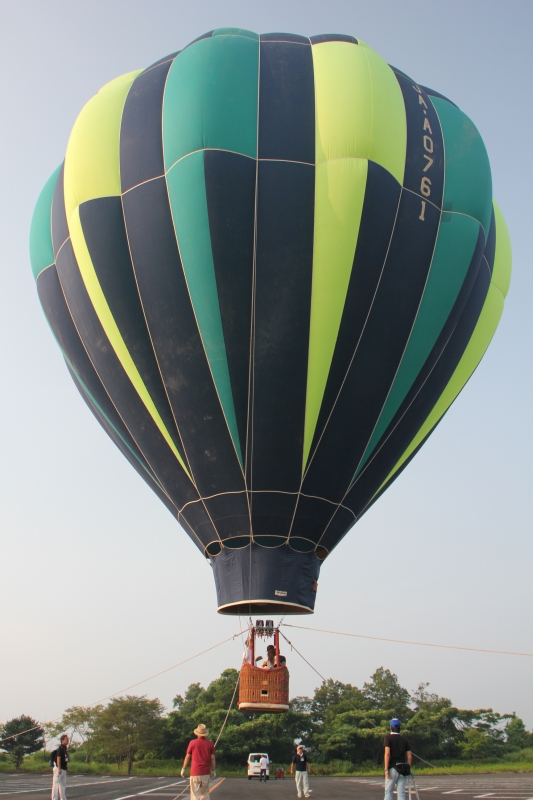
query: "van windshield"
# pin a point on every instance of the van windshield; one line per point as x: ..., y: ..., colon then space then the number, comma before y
x: 255, y: 758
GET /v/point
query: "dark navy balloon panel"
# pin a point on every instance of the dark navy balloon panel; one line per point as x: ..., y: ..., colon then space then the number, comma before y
x: 271, y: 263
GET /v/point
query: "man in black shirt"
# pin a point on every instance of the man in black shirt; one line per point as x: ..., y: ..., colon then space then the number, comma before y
x: 59, y: 785
x: 397, y: 751
x: 300, y: 765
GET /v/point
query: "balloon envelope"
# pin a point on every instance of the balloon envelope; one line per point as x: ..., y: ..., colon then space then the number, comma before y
x: 271, y: 264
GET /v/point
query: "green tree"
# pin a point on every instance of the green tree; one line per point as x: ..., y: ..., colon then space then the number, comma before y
x: 80, y: 721
x: 220, y: 692
x: 353, y: 736
x: 303, y: 704
x: 275, y: 733
x: 188, y: 705
x: 50, y: 731
x: 343, y: 722
x: 181, y: 723
x: 177, y: 734
x: 201, y: 705
x: 476, y: 744
x: 385, y: 693
x: 433, y: 730
x: 23, y: 744
x: 334, y: 697
x: 422, y: 699
x: 482, y: 733
x: 346, y: 725
x: 127, y: 726
x: 517, y: 737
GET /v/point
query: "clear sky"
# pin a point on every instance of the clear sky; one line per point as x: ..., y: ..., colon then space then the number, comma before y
x: 99, y: 587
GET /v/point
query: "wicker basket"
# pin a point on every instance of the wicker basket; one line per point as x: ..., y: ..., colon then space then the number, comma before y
x: 263, y: 689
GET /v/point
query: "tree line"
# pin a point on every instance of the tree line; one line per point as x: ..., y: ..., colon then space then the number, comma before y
x: 340, y: 722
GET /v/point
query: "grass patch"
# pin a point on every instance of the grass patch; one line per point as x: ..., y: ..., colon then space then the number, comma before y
x: 340, y: 769
x: 474, y: 767
x: 521, y: 761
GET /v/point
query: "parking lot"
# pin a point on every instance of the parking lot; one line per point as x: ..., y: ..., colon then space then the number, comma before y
x: 82, y: 787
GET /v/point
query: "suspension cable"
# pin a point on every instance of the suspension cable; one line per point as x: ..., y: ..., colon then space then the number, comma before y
x: 405, y: 641
x: 229, y: 709
x: 373, y: 724
x: 303, y: 657
x: 121, y: 691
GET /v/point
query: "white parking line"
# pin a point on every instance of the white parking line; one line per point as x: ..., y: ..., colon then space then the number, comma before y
x: 360, y: 780
x: 48, y: 788
x: 149, y: 791
x: 167, y: 786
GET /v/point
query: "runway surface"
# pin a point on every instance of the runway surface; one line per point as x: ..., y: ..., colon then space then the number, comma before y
x: 442, y: 787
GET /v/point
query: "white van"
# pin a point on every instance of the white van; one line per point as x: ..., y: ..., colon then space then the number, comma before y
x: 254, y: 770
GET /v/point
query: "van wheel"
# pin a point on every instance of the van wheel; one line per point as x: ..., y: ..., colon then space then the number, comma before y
x: 249, y: 777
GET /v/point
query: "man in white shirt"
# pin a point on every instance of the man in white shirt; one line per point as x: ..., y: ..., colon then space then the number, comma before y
x: 263, y: 766
x: 247, y: 657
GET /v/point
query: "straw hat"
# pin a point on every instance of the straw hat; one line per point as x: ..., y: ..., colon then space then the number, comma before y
x: 201, y: 730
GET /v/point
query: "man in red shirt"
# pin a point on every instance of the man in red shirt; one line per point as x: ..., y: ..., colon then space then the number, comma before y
x: 202, y: 753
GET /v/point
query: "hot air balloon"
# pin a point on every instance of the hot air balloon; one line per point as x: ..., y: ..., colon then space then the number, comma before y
x: 271, y: 264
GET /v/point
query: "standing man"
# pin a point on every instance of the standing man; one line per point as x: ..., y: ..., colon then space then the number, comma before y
x: 263, y: 766
x: 59, y: 783
x: 247, y: 657
x: 397, y: 751
x: 300, y: 766
x: 202, y: 753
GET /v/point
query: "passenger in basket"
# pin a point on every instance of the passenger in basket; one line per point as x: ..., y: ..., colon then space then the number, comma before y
x: 271, y: 656
x: 247, y: 656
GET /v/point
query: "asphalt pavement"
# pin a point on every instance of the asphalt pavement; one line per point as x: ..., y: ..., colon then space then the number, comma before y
x: 510, y: 786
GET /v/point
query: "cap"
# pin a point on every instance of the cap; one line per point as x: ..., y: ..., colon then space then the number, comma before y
x: 395, y: 723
